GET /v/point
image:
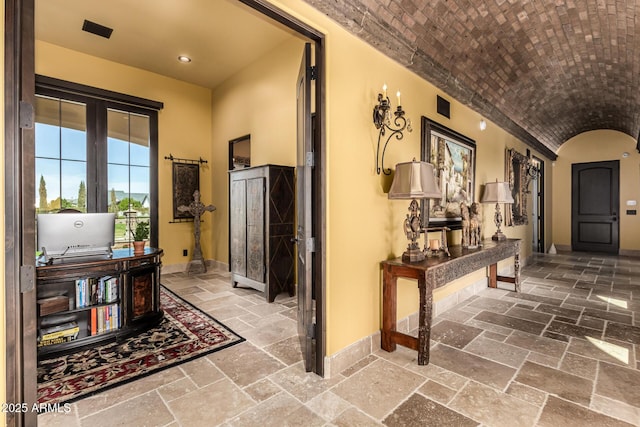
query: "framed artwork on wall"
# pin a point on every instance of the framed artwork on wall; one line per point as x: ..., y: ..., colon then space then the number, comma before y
x: 453, y: 156
x: 186, y: 180
x: 517, y: 172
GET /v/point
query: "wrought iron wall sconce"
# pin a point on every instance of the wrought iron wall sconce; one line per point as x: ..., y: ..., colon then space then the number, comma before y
x: 532, y: 170
x: 531, y: 167
x: 382, y: 121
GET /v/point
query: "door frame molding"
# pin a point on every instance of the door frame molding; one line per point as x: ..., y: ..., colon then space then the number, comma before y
x: 318, y: 171
x: 541, y: 205
x: 19, y: 224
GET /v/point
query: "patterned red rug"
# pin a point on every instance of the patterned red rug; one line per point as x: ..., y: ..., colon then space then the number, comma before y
x: 184, y: 334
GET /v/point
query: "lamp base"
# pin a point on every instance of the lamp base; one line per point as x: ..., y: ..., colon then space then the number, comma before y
x: 413, y: 255
x: 499, y: 236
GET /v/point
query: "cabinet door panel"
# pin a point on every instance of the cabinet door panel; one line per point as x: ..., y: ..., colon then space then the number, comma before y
x: 142, y: 295
x: 255, y: 230
x: 238, y: 227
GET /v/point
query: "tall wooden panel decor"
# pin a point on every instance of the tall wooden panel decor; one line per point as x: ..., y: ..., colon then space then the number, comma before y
x: 262, y: 210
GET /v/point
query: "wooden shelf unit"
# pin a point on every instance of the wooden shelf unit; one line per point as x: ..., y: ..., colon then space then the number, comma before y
x: 133, y: 307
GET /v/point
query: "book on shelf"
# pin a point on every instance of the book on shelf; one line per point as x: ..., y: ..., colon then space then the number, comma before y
x: 81, y: 292
x: 78, y: 287
x: 57, y: 319
x: 93, y: 296
x: 70, y: 329
x: 54, y: 341
x: 92, y: 291
x: 105, y: 319
x: 111, y: 290
x: 92, y: 322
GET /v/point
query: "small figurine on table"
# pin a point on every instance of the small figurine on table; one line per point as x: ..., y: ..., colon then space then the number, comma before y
x: 471, y: 225
x: 196, y: 208
x: 466, y: 237
x: 475, y: 226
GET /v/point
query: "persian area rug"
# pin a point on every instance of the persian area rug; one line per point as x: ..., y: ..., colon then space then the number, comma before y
x: 184, y: 334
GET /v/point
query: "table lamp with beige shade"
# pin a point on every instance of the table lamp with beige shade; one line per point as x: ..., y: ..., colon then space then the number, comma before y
x: 414, y: 180
x: 497, y: 192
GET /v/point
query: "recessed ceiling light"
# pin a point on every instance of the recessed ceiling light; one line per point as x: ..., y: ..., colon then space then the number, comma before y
x: 183, y: 58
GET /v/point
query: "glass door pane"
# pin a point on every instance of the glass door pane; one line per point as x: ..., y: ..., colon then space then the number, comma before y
x: 128, y: 170
x: 61, y: 155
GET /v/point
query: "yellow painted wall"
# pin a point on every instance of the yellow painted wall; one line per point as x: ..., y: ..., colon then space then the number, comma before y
x: 184, y: 129
x: 261, y: 101
x: 594, y: 146
x: 363, y: 226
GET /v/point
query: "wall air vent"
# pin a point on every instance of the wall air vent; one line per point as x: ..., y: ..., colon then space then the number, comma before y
x: 97, y: 29
x: 443, y: 107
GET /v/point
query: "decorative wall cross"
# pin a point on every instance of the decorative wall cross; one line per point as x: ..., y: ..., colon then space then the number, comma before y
x: 196, y: 208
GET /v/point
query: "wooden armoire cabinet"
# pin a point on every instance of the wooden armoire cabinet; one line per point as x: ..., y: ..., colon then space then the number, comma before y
x: 262, y: 212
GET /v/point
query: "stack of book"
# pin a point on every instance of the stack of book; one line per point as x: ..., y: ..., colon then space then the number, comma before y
x: 58, y: 334
x: 104, y: 319
x: 92, y: 290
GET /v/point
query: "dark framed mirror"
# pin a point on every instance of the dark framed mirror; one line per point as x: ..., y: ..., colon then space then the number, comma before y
x: 517, y: 172
x: 240, y: 152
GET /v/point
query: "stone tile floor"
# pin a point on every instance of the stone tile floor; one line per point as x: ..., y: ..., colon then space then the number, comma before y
x: 564, y: 352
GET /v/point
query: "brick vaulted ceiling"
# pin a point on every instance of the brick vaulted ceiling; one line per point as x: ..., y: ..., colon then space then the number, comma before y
x: 545, y: 70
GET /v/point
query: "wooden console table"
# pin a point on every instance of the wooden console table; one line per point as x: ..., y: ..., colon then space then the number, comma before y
x: 433, y: 273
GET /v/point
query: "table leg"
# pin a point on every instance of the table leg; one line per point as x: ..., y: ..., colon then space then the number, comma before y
x: 493, y: 276
x: 389, y: 309
x: 516, y: 267
x: 424, y: 319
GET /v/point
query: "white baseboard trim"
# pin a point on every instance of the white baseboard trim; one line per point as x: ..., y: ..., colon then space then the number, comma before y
x: 621, y: 252
x: 563, y: 248
x: 211, y: 264
x: 630, y: 252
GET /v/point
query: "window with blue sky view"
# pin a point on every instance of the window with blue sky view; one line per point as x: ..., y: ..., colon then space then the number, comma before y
x: 69, y: 158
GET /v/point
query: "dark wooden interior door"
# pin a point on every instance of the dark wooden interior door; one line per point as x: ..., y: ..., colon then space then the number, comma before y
x: 595, y: 200
x: 304, y: 237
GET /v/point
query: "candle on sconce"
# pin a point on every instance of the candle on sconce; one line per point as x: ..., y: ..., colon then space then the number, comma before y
x: 398, y: 95
x: 434, y: 244
x: 384, y: 89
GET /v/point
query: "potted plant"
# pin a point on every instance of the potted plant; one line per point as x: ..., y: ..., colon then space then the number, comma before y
x: 140, y: 234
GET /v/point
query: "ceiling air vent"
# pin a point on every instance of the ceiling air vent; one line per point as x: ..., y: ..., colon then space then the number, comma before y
x: 97, y: 29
